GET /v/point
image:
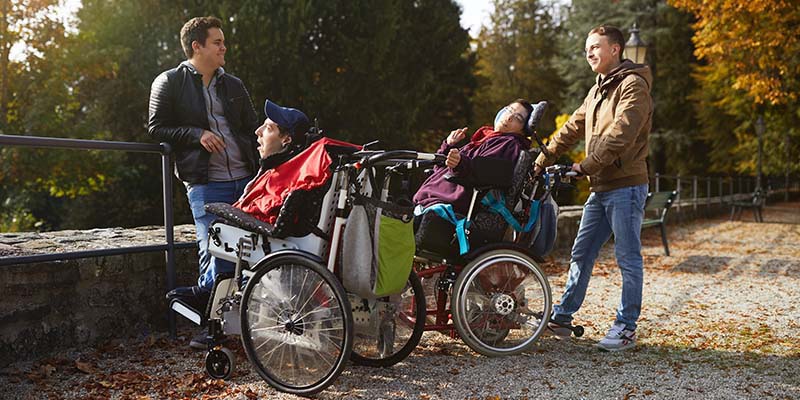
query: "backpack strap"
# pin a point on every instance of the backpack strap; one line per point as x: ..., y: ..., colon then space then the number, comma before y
x: 498, y: 206
x: 445, y: 211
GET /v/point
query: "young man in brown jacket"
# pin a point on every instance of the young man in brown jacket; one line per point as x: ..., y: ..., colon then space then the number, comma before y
x: 615, y: 120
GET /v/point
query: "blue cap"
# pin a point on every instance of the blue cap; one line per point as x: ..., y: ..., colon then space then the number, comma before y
x: 290, y: 118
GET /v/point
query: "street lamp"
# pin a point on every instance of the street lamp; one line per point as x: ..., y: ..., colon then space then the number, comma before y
x: 760, y: 128
x: 635, y: 48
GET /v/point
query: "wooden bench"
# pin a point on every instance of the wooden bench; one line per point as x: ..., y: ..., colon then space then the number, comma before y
x: 755, y: 202
x: 659, y: 203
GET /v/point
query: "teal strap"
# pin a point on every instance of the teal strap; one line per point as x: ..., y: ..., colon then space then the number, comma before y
x: 446, y: 212
x: 498, y: 205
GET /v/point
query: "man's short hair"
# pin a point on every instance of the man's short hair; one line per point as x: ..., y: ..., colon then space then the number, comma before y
x: 613, y: 34
x: 196, y: 29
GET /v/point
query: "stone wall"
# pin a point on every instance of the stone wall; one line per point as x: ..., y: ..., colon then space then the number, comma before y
x: 49, y: 306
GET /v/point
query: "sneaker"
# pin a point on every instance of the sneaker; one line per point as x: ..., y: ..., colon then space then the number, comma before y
x: 195, y: 296
x: 559, y: 330
x: 618, y: 338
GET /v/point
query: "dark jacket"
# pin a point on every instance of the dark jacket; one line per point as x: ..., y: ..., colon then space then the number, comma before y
x: 615, y: 120
x: 178, y: 116
x: 484, y: 143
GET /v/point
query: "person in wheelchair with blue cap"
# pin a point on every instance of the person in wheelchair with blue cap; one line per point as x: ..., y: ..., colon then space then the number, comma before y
x: 449, y: 185
x: 280, y: 137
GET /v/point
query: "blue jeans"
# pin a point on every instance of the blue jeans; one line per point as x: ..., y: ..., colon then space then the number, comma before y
x: 620, y: 212
x: 199, y: 195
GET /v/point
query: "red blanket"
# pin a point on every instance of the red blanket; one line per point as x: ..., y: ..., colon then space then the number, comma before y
x: 306, y: 171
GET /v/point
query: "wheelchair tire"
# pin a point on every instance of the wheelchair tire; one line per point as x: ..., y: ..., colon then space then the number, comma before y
x: 220, y: 363
x: 404, y: 329
x: 297, y: 327
x: 496, y: 300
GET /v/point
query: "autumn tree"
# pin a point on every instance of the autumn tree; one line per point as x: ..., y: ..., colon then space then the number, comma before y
x: 750, y: 67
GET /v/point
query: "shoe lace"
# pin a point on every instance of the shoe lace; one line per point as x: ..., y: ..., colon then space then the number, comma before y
x: 616, y: 330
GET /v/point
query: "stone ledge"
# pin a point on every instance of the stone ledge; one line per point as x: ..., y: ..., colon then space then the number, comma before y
x: 49, y: 306
x: 32, y: 243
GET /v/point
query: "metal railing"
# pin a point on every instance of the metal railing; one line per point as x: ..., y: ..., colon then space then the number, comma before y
x: 707, y: 190
x: 166, y: 176
x: 694, y: 191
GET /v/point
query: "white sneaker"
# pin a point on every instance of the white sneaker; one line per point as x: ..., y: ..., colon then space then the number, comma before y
x: 618, y: 338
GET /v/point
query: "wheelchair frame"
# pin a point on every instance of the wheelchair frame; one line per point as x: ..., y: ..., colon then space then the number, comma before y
x: 257, y: 255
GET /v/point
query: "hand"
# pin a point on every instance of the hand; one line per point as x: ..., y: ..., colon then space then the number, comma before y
x: 456, y: 136
x: 453, y: 158
x: 577, y: 168
x: 537, y: 170
x: 211, y: 142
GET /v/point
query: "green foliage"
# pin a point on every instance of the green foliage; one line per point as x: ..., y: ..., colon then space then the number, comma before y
x: 515, y: 58
x: 368, y: 69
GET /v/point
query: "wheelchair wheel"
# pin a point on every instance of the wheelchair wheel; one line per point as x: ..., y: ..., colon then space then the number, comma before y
x: 297, y: 327
x: 220, y: 363
x: 497, y: 303
x: 387, y: 334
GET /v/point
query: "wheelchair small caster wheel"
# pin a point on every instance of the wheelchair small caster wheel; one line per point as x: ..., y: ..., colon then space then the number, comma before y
x: 577, y: 330
x: 220, y: 363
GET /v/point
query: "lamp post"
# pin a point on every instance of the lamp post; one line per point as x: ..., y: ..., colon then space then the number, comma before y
x: 786, y: 167
x: 635, y: 47
x: 760, y: 127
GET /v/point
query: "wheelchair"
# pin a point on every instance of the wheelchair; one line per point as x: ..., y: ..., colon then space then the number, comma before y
x: 495, y: 297
x: 286, y: 300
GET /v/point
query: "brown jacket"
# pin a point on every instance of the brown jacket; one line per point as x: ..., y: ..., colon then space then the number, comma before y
x: 615, y: 119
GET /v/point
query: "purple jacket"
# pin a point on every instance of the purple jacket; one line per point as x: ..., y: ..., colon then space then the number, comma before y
x: 436, y: 189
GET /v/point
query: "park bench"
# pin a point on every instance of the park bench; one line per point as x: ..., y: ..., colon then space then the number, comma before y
x: 658, y: 204
x: 755, y: 202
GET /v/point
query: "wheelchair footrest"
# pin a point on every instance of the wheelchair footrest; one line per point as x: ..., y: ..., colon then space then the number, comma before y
x: 188, y: 312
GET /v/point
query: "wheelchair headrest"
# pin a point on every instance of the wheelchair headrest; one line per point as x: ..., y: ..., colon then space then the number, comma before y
x: 536, y: 115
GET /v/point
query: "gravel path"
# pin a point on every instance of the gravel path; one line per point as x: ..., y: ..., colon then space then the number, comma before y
x: 720, y: 321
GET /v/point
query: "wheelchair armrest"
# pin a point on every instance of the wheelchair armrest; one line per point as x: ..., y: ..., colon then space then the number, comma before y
x: 236, y: 217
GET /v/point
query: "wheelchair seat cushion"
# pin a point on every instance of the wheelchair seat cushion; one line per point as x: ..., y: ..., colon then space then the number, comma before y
x: 236, y: 217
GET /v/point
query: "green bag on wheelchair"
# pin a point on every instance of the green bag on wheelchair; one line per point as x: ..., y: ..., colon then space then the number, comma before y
x: 378, y: 248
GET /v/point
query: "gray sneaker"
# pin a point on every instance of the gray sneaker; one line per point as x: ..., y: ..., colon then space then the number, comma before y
x: 618, y: 338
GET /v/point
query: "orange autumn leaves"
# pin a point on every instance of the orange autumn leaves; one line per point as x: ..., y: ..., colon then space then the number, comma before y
x: 756, y: 42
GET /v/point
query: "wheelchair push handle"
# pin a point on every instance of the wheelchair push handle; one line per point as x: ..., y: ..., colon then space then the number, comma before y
x: 413, y: 159
x: 563, y: 170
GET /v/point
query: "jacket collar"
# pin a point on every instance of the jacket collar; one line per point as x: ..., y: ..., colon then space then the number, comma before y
x: 218, y: 74
x: 486, y: 132
x: 626, y: 68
